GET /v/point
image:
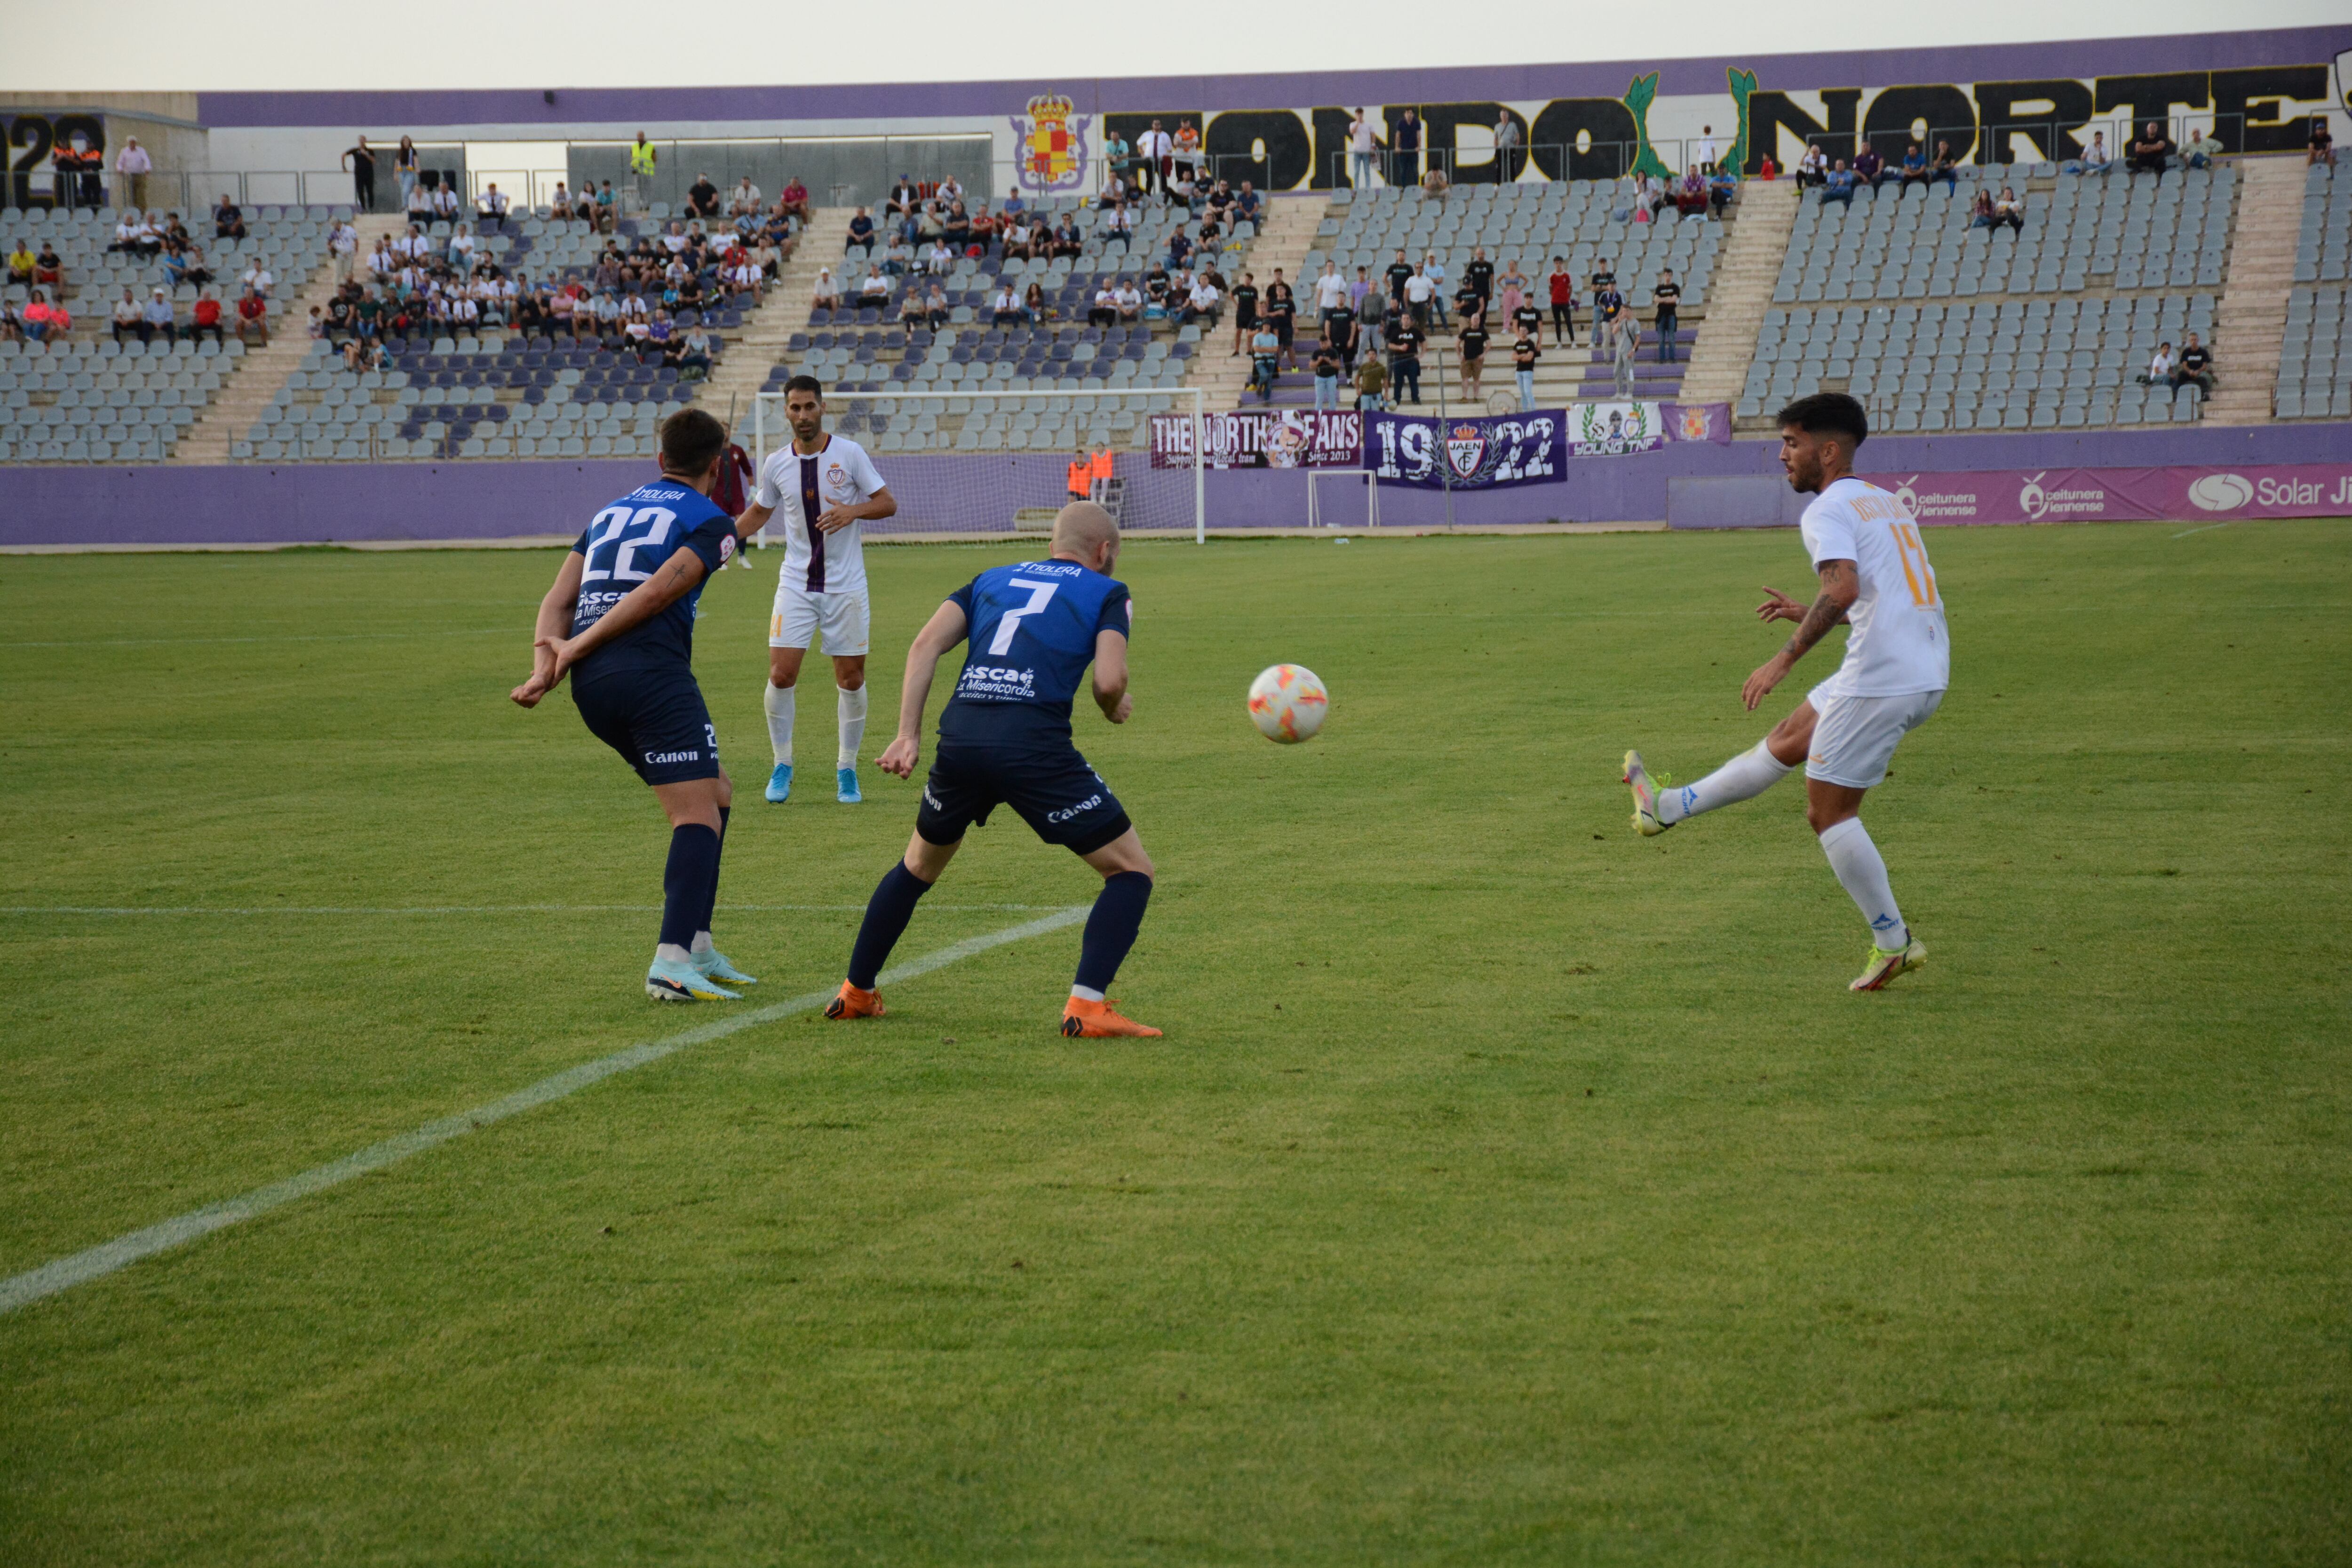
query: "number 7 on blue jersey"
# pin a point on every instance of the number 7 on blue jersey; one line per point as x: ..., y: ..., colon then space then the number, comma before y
x: 1039, y: 593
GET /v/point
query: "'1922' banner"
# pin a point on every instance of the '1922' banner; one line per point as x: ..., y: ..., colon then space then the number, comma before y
x: 1487, y: 452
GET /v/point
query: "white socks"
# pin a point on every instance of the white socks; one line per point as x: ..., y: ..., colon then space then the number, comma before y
x: 1086, y: 993
x: 779, y: 704
x: 1862, y: 874
x: 1745, y: 776
x: 852, y: 707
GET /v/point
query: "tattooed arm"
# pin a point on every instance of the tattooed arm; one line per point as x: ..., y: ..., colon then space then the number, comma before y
x: 1839, y: 588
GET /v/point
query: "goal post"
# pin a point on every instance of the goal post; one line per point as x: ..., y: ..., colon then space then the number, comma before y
x: 999, y: 462
x: 1317, y: 479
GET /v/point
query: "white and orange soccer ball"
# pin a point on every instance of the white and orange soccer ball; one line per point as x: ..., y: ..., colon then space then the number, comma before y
x: 1287, y: 702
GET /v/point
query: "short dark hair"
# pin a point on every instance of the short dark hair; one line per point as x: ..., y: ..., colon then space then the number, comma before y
x: 690, y: 440
x: 807, y: 383
x: 1827, y: 413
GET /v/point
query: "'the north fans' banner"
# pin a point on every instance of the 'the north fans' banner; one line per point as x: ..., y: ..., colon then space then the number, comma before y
x: 2072, y: 495
x: 1261, y: 439
x: 1486, y: 452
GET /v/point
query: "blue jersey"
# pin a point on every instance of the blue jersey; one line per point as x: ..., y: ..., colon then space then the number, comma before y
x: 1033, y: 629
x: 626, y: 543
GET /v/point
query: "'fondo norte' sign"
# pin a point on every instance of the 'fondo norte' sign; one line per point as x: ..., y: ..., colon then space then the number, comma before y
x: 2254, y: 108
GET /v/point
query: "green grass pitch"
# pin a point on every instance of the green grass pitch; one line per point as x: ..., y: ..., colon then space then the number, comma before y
x: 1508, y: 1189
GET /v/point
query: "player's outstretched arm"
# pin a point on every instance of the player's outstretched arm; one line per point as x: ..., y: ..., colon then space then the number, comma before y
x: 1839, y: 588
x: 1110, y: 677
x: 554, y: 620
x: 675, y: 580
x: 942, y: 631
x: 755, y: 517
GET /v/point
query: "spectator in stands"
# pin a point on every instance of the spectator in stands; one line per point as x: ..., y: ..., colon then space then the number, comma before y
x: 2152, y: 152
x: 1704, y: 150
x: 1470, y: 343
x: 1265, y: 355
x: 2196, y: 365
x: 206, y: 317
x: 21, y: 261
x: 826, y: 293
x: 133, y: 165
x: 1129, y: 299
x: 1020, y: 239
x: 228, y: 219
x: 1154, y: 151
x: 1506, y: 140
x: 1526, y: 350
x: 184, y: 262
x: 1561, y: 285
x: 2008, y: 209
x: 360, y: 159
x: 608, y: 209
x: 1607, y: 304
x: 1624, y: 345
x: 702, y: 196
x: 446, y: 206
x: 419, y: 206
x: 861, y: 233
x: 1340, y: 326
x: 1186, y: 153
x: 1363, y: 145
x: 2199, y: 153
x: 342, y: 249
x: 1690, y: 193
x: 324, y: 329
x: 48, y: 267
x: 1869, y: 168
x: 1119, y: 225
x: 2094, y: 160
x: 794, y: 201
x: 1179, y: 249
x: 1915, y: 167
x: 1245, y: 313
x: 1667, y: 296
x: 1980, y: 213
x: 406, y: 163
x: 1478, y: 276
x: 743, y: 201
x: 1278, y: 308
x: 1768, y: 168
x: 1404, y: 165
x: 1434, y: 266
x: 956, y: 226
x: 1604, y: 282
x: 12, y: 324
x: 1722, y: 187
x: 134, y: 236
x: 1119, y: 161
x: 1435, y: 184
x: 1323, y: 364
x: 899, y: 260
x: 2321, y: 147
x: 44, y: 320
x: 2159, y: 366
x: 128, y: 314
x: 873, y: 289
x: 1358, y: 286
x: 1200, y: 301
x: 1065, y: 240
x: 1249, y: 208
x: 1034, y: 302
x: 559, y: 205
x: 1403, y: 340
x: 460, y: 247
x: 490, y: 207
x: 938, y: 261
x: 935, y: 305
x: 1371, y: 383
x: 1330, y: 291
x: 1104, y: 312
x: 158, y: 317
x: 1184, y: 189
x: 1947, y: 169
x: 1840, y: 184
x: 1813, y: 168
x: 257, y: 277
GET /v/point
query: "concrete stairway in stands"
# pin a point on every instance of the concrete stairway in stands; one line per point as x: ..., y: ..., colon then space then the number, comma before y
x: 1741, y: 290
x: 761, y: 344
x: 245, y: 396
x: 1289, y: 232
x: 2250, y: 322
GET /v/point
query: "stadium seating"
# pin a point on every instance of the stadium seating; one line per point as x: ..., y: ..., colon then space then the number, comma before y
x: 2315, y: 376
x: 2014, y: 364
x: 469, y: 398
x: 76, y: 402
x: 289, y: 241
x: 2111, y: 231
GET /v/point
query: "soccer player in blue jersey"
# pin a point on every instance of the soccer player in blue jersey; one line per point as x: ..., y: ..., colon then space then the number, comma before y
x: 1005, y: 739
x: 620, y: 622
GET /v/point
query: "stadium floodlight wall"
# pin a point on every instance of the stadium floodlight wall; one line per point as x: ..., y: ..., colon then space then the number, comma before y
x: 248, y: 503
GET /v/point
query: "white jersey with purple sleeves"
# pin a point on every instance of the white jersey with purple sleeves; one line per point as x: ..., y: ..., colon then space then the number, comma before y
x: 799, y: 490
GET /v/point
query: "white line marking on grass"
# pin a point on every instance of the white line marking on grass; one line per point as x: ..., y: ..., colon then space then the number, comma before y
x: 2207, y: 529
x: 287, y: 636
x: 97, y: 1262
x: 109, y: 912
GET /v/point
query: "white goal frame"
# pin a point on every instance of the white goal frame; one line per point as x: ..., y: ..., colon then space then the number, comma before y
x: 1179, y: 395
x: 1371, y: 495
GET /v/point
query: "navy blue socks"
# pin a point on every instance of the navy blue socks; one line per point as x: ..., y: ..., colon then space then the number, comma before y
x: 1110, y: 929
x: 710, y: 904
x: 887, y: 914
x: 689, y: 884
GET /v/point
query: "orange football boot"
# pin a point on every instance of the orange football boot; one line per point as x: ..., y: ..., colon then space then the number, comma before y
x: 1083, y: 1020
x: 855, y: 1004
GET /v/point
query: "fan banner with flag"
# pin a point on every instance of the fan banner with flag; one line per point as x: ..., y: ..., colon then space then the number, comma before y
x: 1470, y: 453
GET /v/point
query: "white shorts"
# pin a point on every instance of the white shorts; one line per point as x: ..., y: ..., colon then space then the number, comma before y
x: 800, y: 615
x: 1854, y: 737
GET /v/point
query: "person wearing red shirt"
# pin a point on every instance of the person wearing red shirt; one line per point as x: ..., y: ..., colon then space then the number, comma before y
x: 207, y: 319
x: 253, y: 319
x: 1563, y: 303
x: 795, y: 202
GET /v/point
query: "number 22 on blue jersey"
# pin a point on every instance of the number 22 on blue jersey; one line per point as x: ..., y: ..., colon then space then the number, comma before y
x: 617, y: 534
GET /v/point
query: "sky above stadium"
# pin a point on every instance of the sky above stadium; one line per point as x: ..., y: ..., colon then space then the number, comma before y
x: 279, y: 44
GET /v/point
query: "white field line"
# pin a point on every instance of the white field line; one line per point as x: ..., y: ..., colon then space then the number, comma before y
x: 286, y: 636
x: 2207, y: 529
x: 97, y: 911
x: 97, y: 1262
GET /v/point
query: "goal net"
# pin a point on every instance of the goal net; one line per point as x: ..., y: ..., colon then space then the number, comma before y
x: 989, y: 463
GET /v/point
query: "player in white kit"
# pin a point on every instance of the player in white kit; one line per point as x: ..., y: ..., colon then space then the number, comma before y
x: 1865, y: 545
x: 825, y: 485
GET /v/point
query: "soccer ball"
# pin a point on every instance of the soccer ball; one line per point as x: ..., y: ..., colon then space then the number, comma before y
x: 1287, y: 702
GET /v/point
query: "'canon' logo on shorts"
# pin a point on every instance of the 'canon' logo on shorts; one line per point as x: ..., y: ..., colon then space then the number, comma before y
x: 654, y: 759
x: 1083, y: 807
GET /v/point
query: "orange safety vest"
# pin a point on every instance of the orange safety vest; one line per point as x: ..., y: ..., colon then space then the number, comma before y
x: 1101, y: 465
x: 1080, y: 472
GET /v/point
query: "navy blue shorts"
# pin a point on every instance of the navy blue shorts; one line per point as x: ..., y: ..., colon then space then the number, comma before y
x: 655, y: 719
x: 1061, y: 798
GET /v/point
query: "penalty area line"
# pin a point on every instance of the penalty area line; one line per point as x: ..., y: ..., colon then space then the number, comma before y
x: 97, y: 1262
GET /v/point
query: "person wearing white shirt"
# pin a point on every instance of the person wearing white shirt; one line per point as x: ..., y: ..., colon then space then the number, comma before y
x: 1866, y: 546
x: 134, y: 165
x: 258, y: 279
x: 492, y: 205
x: 1363, y: 146
x: 874, y: 291
x: 745, y: 278
x: 2094, y: 160
x: 1105, y: 312
x: 1506, y: 140
x: 951, y: 191
x: 2159, y: 368
x: 461, y: 246
x: 1129, y: 300
x: 1005, y: 311
x: 938, y: 261
x: 1813, y: 168
x: 1200, y: 303
x: 825, y: 486
x: 1154, y: 151
x: 744, y: 199
x: 445, y: 203
x: 1436, y: 270
x: 1119, y: 225
x: 1331, y: 290
x: 1706, y: 148
x: 343, y: 245
x: 559, y: 205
